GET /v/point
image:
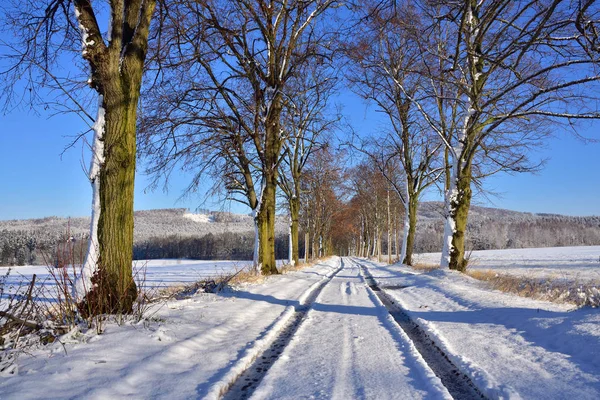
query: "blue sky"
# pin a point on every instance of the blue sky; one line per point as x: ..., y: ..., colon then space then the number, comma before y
x: 35, y: 181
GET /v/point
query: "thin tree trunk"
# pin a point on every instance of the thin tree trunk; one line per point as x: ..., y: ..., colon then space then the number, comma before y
x: 306, y: 246
x: 405, y: 234
x: 411, y: 219
x: 396, y: 238
x: 255, y: 253
x: 294, y: 218
x: 389, y: 229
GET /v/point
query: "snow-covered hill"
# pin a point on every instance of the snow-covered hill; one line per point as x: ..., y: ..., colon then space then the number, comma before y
x: 148, y: 223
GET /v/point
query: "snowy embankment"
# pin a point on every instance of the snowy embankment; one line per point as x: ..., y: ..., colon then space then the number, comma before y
x: 510, y: 347
x: 580, y: 263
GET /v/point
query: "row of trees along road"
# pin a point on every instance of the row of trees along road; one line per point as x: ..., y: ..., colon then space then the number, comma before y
x: 469, y: 88
x: 233, y: 89
x: 239, y: 91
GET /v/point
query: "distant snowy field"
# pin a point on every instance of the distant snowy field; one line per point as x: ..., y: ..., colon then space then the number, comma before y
x: 151, y: 273
x: 573, y: 263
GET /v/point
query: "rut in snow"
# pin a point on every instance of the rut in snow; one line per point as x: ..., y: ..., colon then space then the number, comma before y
x: 458, y: 384
x: 248, y: 381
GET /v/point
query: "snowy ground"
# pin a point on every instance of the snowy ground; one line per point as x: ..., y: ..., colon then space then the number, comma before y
x: 346, y: 347
x: 573, y: 263
x: 511, y: 347
x: 149, y: 273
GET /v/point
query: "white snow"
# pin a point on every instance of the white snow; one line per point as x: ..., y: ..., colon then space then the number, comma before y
x: 511, y: 347
x: 200, y: 218
x: 187, y: 351
x: 83, y: 282
x: 347, y: 347
x: 578, y: 263
x: 150, y: 273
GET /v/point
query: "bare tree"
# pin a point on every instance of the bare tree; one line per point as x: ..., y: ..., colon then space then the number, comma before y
x: 307, y: 123
x: 320, y: 188
x: 520, y: 69
x: 234, y: 61
x: 386, y: 60
x: 510, y: 72
x: 45, y: 34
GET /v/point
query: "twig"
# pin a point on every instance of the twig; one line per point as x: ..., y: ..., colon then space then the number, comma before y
x: 28, y: 324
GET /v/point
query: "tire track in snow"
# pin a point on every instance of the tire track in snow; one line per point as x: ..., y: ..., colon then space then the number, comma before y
x: 243, y: 386
x: 457, y: 383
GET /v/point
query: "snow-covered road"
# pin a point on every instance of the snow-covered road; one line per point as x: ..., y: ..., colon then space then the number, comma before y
x: 346, y: 345
x: 349, y: 348
x: 191, y: 348
x: 510, y: 347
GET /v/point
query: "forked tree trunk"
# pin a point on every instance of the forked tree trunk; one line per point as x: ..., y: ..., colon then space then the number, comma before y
x: 116, y: 74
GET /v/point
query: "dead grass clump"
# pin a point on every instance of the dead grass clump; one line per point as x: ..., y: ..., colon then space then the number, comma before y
x: 550, y: 289
x: 424, y: 267
x: 287, y: 268
x: 247, y: 275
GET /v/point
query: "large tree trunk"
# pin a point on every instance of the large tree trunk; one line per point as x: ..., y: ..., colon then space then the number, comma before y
x: 458, y: 205
x: 116, y: 74
x: 266, y: 227
x: 113, y: 288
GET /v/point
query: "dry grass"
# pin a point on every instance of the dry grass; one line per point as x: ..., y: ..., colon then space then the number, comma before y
x: 223, y: 281
x: 549, y: 289
x: 424, y: 267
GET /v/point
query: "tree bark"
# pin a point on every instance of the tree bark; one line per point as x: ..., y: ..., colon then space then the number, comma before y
x: 294, y: 225
x: 266, y: 227
x: 460, y: 204
x: 116, y: 74
x: 114, y: 287
x: 411, y: 229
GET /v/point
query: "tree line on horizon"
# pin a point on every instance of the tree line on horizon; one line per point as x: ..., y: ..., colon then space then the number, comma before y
x: 488, y: 230
x: 243, y: 93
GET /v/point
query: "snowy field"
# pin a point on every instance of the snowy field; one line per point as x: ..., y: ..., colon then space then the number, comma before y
x: 151, y: 273
x: 346, y: 345
x: 572, y: 263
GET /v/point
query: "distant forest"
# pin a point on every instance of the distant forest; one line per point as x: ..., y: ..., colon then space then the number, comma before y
x: 173, y: 234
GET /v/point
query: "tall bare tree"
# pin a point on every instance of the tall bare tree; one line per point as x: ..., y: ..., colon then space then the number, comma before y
x: 520, y: 70
x: 386, y: 62
x: 44, y: 35
x: 307, y: 121
x: 510, y: 72
x: 234, y: 61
